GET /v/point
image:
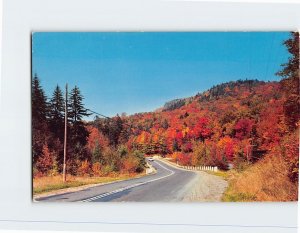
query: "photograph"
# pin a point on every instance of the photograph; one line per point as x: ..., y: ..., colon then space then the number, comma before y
x: 165, y: 116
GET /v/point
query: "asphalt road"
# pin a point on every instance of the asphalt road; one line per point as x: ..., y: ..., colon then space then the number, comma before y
x: 168, y: 184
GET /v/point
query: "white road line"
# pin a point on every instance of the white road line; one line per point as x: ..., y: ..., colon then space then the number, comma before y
x: 131, y: 186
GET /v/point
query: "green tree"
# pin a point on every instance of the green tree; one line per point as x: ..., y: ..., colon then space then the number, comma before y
x: 76, y: 109
x: 39, y: 111
x: 113, y: 129
x: 78, y: 134
x: 56, y: 123
x: 141, y: 159
x: 38, y: 100
x: 57, y: 112
x: 97, y: 155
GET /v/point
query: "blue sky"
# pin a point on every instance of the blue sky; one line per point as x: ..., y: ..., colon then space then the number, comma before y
x: 138, y: 72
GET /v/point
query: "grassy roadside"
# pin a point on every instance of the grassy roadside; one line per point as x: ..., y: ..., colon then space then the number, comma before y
x: 266, y: 180
x: 219, y: 173
x: 52, y: 183
x: 231, y: 194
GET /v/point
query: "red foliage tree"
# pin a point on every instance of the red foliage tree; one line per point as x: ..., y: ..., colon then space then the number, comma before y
x: 243, y: 128
x: 45, y: 161
x: 201, y: 129
x: 96, y: 139
x: 184, y: 159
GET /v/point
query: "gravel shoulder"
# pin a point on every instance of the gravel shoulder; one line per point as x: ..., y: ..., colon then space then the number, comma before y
x: 204, y: 187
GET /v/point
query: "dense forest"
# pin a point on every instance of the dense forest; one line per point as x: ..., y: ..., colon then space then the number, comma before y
x: 232, y: 125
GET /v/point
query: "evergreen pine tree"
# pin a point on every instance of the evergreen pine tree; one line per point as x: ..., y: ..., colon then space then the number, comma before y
x: 39, y: 101
x: 78, y: 133
x: 76, y: 109
x: 39, y: 111
x: 57, y: 113
x: 56, y: 123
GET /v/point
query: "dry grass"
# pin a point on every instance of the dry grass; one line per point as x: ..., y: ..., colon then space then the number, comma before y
x: 266, y: 180
x: 223, y: 174
x: 51, y: 183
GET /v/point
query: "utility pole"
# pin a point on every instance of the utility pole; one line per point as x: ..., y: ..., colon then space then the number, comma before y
x: 65, y: 136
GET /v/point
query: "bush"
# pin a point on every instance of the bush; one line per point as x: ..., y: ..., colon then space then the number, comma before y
x: 130, y: 164
x: 72, y: 166
x: 106, y: 170
x: 174, y: 156
x: 141, y: 160
x: 96, y: 169
x: 36, y: 173
x: 54, y: 170
x: 45, y: 161
x: 112, y: 159
x: 123, y: 151
x: 84, y: 168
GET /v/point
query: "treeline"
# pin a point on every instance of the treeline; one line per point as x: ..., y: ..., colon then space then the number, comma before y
x: 90, y: 151
x: 227, y: 89
x: 174, y: 104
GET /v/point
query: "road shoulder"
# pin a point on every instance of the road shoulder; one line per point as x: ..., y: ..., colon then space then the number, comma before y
x: 204, y: 187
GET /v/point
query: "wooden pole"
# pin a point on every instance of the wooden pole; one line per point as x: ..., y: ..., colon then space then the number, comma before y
x: 65, y: 136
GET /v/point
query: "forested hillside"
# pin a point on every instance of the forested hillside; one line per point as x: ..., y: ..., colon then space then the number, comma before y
x: 244, y: 125
x: 233, y: 123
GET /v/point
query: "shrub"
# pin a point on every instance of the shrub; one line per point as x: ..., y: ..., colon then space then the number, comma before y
x: 54, y: 170
x: 106, y: 170
x: 72, y: 166
x: 96, y: 169
x: 141, y: 160
x: 36, y: 173
x: 84, y: 168
x: 112, y: 159
x: 45, y: 161
x: 174, y: 156
x: 123, y: 151
x: 130, y: 164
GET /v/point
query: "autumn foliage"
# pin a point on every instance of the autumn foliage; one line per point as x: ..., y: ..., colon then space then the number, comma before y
x: 237, y: 125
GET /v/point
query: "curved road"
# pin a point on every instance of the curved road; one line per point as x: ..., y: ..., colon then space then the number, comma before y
x: 167, y: 184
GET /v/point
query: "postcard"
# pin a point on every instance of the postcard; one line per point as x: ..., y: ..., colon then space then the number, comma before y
x: 165, y: 116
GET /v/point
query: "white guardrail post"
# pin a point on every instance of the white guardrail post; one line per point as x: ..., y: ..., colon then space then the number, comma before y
x: 199, y: 168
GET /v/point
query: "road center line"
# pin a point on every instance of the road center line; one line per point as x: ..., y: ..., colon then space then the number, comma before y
x: 130, y: 186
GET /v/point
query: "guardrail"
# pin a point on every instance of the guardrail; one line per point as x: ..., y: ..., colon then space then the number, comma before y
x: 195, y: 168
x: 200, y: 168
